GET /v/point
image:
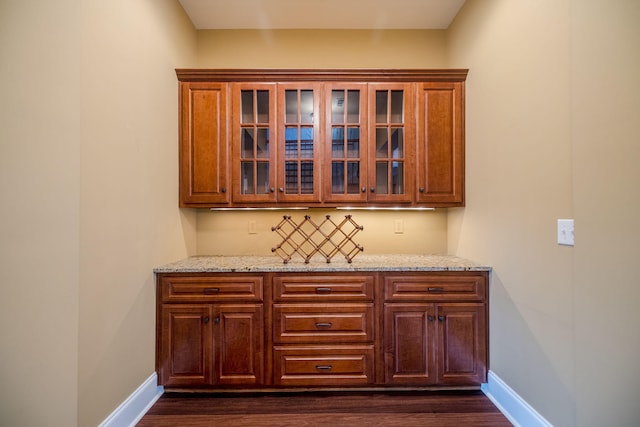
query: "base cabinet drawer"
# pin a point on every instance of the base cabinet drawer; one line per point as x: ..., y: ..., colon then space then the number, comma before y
x: 323, y: 366
x: 319, y: 323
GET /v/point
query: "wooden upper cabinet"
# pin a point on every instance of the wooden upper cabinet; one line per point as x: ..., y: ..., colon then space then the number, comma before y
x: 203, y: 144
x: 321, y: 138
x: 440, y: 161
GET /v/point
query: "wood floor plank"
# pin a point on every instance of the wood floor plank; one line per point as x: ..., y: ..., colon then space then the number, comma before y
x: 444, y: 409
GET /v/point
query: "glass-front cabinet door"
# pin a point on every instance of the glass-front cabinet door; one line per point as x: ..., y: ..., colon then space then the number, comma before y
x: 345, y: 164
x: 299, y: 148
x: 391, y: 142
x: 253, y: 142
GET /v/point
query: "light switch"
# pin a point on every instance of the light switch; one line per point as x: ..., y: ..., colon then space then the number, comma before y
x: 252, y: 227
x: 565, y: 232
x: 398, y: 226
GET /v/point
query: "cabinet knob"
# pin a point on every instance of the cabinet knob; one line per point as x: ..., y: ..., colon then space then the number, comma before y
x: 441, y: 318
x: 422, y: 189
x: 216, y: 320
x: 430, y: 318
x: 372, y: 189
x: 223, y: 190
x: 364, y: 189
x: 281, y: 189
x: 272, y: 189
x: 205, y: 319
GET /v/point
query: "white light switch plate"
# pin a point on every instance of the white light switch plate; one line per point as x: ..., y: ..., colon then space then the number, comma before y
x: 565, y: 232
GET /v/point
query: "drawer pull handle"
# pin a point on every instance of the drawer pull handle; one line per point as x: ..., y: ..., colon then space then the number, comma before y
x: 323, y: 325
x: 211, y: 291
x: 324, y: 367
x: 436, y: 290
x: 323, y: 290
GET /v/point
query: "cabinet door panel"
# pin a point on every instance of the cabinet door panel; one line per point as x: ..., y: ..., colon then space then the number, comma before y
x: 408, y: 339
x: 345, y: 166
x: 391, y: 142
x: 253, y: 142
x: 239, y: 344
x: 462, y: 349
x: 300, y: 139
x: 440, y: 160
x: 203, y: 145
x: 185, y: 348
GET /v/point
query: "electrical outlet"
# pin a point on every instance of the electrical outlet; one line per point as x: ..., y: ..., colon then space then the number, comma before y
x: 565, y: 232
x: 398, y: 226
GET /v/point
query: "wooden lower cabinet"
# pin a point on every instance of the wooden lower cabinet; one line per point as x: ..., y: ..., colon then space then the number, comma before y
x: 283, y: 330
x: 435, y: 344
x: 209, y: 345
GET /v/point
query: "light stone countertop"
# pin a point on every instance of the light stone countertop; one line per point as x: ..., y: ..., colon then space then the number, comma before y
x: 265, y: 264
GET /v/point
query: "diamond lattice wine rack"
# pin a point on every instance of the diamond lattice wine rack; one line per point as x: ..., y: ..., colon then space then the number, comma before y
x: 308, y: 238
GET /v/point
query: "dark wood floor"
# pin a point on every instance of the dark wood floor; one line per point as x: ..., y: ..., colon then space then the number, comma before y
x: 442, y: 409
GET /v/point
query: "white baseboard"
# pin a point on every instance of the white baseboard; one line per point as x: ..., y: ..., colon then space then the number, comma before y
x: 136, y: 405
x: 515, y: 408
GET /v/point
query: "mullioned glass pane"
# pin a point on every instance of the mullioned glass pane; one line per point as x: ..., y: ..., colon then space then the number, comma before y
x: 397, y: 143
x: 353, y: 106
x: 262, y: 178
x: 263, y: 106
x: 382, y: 98
x: 262, y: 143
x: 337, y: 106
x: 397, y: 106
x: 337, y: 177
x: 246, y: 106
x: 247, y: 177
x: 291, y: 106
x: 247, y: 142
x: 306, y: 106
x: 382, y: 176
x: 382, y: 140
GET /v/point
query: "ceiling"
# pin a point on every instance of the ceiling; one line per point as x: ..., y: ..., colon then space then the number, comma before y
x: 321, y: 14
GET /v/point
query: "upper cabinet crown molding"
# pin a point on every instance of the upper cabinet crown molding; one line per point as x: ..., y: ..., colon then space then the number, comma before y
x: 325, y: 75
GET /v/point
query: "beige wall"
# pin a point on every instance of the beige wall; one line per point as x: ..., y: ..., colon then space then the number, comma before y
x: 129, y: 220
x: 424, y: 232
x: 320, y: 49
x: 88, y: 157
x: 88, y: 125
x: 605, y: 154
x: 227, y: 233
x: 39, y: 188
x: 551, y: 101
